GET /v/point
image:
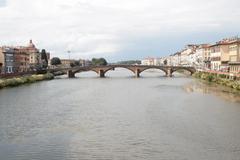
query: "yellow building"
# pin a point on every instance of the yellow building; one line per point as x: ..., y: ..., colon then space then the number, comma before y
x: 206, y: 56
x: 219, y: 54
x: 234, y: 56
x: 1, y: 59
x: 67, y: 62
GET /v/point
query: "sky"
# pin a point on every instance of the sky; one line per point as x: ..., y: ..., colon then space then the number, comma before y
x: 116, y: 29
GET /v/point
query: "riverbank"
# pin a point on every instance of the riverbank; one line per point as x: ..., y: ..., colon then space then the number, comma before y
x: 218, y: 79
x: 16, y: 81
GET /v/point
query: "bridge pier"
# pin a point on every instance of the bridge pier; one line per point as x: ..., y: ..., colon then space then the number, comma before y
x: 137, y: 73
x: 70, y: 74
x: 101, y: 73
x: 169, y: 72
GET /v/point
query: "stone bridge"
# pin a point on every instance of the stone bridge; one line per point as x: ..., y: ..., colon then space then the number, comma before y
x: 136, y: 69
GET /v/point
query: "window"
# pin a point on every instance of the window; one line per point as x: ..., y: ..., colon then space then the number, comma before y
x: 9, y: 69
x: 233, y: 48
x: 233, y: 58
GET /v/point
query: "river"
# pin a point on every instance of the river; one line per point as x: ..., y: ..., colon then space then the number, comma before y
x: 119, y: 117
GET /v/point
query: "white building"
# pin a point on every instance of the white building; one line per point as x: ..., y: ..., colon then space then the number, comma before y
x: 184, y: 57
x: 175, y: 59
x: 158, y: 61
x: 188, y: 55
x: 147, y: 61
x: 153, y: 61
x: 200, y: 57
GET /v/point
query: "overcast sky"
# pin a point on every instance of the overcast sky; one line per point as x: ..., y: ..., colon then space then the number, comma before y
x: 116, y: 29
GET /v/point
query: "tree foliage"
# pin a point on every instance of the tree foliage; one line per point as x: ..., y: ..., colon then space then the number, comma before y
x: 44, y: 58
x: 99, y: 61
x: 55, y: 61
x: 165, y: 62
x: 130, y: 62
x: 75, y: 63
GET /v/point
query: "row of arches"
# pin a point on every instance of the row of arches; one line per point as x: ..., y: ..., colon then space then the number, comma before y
x: 164, y: 70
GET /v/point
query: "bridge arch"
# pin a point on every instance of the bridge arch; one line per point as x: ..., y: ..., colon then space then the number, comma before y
x: 191, y: 70
x: 125, y: 67
x: 159, y: 68
x: 135, y: 69
x: 80, y: 70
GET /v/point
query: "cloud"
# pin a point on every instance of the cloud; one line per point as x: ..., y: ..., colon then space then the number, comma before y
x: 111, y: 28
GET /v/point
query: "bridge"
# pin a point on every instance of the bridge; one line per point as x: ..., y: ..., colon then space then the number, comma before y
x: 135, y: 69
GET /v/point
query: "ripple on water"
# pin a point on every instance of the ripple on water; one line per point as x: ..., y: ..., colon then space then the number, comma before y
x: 152, y: 117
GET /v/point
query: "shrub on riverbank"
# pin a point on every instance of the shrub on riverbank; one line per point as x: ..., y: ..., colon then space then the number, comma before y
x: 25, y: 79
x: 219, y: 79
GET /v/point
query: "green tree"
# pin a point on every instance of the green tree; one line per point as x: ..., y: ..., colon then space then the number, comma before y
x: 130, y: 62
x: 165, y: 62
x: 99, y: 61
x: 44, y: 58
x: 55, y: 61
x: 74, y: 63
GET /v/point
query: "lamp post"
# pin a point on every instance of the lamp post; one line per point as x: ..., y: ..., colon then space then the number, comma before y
x: 69, y: 55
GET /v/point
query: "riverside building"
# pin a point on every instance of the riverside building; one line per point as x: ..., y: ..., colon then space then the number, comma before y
x: 20, y: 58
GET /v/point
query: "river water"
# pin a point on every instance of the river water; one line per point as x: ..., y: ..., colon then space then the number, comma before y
x: 119, y: 117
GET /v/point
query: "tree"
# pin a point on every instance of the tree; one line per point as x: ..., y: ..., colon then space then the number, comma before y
x: 130, y: 62
x: 99, y: 61
x: 55, y: 61
x: 44, y: 58
x: 74, y: 63
x: 165, y: 62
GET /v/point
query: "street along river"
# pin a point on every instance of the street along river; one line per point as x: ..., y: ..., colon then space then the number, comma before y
x: 119, y: 117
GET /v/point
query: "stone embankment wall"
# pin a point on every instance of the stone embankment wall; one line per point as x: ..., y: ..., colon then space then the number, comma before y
x: 218, y: 78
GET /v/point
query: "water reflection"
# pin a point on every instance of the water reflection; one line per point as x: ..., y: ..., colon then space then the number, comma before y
x: 223, y: 92
x: 118, y: 117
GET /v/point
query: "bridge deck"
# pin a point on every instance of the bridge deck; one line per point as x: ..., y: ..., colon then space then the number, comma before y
x: 136, y: 69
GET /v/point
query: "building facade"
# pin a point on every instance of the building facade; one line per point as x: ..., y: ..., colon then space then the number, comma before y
x: 188, y: 55
x: 67, y: 62
x: 1, y: 59
x: 234, y: 56
x: 206, y: 57
x: 202, y: 56
x: 215, y: 57
x: 176, y: 59
x: 22, y: 62
x: 158, y: 61
x: 85, y: 62
x: 20, y: 58
x: 220, y: 55
x: 7, y: 60
x: 147, y: 61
